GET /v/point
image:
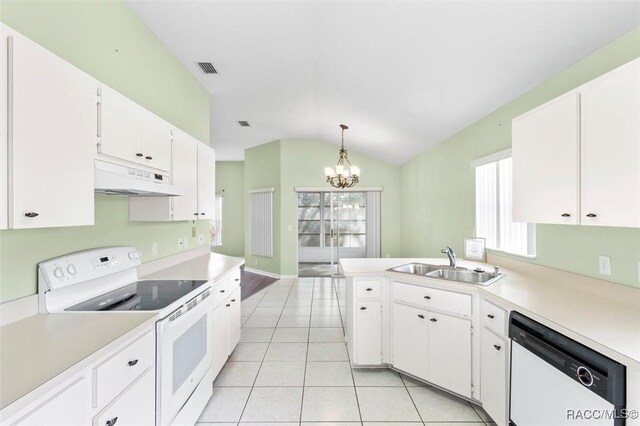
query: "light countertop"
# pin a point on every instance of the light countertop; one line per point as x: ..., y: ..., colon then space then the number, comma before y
x: 599, y: 311
x: 38, y: 348
x: 210, y: 267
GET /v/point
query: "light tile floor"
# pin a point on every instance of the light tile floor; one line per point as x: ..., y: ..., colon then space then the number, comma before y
x: 291, y: 367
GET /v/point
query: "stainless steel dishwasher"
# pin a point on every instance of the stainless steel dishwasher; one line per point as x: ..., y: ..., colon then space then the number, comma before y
x: 556, y: 381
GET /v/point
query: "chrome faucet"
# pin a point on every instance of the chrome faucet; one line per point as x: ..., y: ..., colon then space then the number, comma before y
x: 451, y: 255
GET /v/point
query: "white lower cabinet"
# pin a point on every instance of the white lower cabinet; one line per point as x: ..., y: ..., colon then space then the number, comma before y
x: 410, y: 344
x: 450, y: 353
x: 493, y: 375
x: 135, y: 406
x: 226, y: 321
x: 220, y: 337
x: 235, y: 321
x: 71, y: 406
x: 369, y: 323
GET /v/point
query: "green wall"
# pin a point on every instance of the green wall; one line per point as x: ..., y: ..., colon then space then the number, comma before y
x: 262, y: 170
x: 286, y: 164
x: 438, y: 186
x: 108, y: 41
x: 230, y: 183
x: 303, y: 163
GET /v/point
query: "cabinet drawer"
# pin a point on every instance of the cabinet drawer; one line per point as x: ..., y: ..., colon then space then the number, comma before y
x: 134, y: 407
x: 368, y: 289
x: 493, y: 317
x: 234, y: 280
x: 449, y: 301
x: 221, y: 291
x: 119, y: 371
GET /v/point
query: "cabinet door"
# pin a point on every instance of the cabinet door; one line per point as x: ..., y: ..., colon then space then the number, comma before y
x: 51, y: 138
x: 546, y: 172
x: 206, y: 182
x: 185, y: 174
x: 235, y: 321
x: 410, y: 344
x: 493, y: 376
x: 611, y: 148
x: 120, y: 127
x: 156, y: 141
x: 450, y: 353
x: 220, y: 331
x: 368, y: 346
x: 71, y: 406
x: 134, y: 407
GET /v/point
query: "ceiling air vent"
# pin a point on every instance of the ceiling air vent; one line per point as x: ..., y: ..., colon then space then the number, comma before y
x: 243, y: 123
x: 207, y: 67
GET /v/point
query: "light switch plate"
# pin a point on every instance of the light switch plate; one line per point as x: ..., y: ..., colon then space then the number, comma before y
x: 604, y: 263
x: 200, y: 239
x: 154, y: 249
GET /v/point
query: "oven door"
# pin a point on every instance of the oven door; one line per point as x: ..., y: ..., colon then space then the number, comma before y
x: 184, y: 355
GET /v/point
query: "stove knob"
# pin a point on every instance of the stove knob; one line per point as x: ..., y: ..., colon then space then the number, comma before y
x: 58, y: 272
x: 71, y: 270
x: 132, y: 255
x: 584, y: 376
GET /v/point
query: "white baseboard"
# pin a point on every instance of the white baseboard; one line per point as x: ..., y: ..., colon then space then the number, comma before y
x: 17, y: 309
x: 270, y: 274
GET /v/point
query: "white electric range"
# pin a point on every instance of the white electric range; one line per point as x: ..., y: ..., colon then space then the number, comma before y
x: 106, y: 280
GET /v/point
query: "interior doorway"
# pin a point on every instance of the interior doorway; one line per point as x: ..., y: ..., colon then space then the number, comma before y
x: 335, y: 225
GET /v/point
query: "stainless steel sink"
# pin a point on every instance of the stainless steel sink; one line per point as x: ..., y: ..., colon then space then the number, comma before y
x: 416, y: 268
x: 448, y: 273
x: 471, y: 277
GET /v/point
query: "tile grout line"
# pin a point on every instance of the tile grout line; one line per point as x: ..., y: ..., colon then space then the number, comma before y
x: 353, y: 380
x: 306, y: 358
x: 265, y: 353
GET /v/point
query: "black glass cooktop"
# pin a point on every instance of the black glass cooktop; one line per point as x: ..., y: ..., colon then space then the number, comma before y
x: 140, y: 296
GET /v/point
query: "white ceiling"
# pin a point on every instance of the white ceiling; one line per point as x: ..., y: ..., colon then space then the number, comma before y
x: 403, y: 75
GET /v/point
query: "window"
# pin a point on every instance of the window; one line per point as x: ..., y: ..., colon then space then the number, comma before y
x: 216, y: 224
x: 493, y: 207
x: 315, y: 217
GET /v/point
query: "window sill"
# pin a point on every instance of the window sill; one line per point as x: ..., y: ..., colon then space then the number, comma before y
x: 510, y: 254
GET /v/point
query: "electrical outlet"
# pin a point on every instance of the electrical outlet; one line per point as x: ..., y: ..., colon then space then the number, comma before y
x: 154, y: 249
x: 200, y: 239
x: 604, y: 263
x: 256, y: 262
x: 193, y: 231
x: 289, y: 228
x: 186, y: 242
x: 180, y: 243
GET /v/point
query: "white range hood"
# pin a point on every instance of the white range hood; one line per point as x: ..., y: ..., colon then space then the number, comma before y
x: 115, y: 179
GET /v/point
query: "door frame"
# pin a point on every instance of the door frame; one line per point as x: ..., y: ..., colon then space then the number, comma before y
x: 297, y: 189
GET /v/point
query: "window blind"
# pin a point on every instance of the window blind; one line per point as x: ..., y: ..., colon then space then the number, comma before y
x: 261, y: 222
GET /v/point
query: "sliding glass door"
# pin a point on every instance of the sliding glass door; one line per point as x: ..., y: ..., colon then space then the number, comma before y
x: 331, y: 225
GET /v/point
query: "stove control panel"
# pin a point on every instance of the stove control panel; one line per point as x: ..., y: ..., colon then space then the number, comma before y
x: 88, y: 265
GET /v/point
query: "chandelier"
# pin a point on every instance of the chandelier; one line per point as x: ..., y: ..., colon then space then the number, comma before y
x: 342, y: 175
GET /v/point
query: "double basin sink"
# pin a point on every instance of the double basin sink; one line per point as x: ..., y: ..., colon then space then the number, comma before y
x: 448, y: 273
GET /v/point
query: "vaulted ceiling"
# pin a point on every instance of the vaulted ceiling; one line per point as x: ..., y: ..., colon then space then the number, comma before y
x: 403, y: 75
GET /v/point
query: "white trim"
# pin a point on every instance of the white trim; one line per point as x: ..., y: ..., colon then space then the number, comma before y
x: 270, y: 274
x: 18, y: 309
x: 254, y: 191
x: 491, y: 158
x: 332, y: 189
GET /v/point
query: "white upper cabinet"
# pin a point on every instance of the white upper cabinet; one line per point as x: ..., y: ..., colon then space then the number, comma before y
x: 206, y: 182
x: 131, y: 133
x: 51, y: 140
x: 611, y: 148
x: 576, y: 159
x: 546, y: 168
x: 193, y: 169
x: 185, y: 174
